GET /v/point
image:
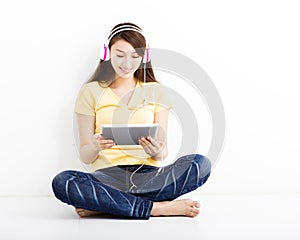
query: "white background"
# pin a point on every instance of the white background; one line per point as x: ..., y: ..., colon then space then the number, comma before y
x: 250, y: 49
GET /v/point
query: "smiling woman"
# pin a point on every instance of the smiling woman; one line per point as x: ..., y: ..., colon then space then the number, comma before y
x: 127, y: 180
x: 126, y: 39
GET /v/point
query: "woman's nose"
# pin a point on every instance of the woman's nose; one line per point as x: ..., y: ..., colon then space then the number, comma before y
x: 127, y: 62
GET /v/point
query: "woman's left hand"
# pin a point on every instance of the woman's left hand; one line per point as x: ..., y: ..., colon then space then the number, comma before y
x: 151, y: 146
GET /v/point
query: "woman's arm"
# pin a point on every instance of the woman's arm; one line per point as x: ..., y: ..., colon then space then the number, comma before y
x: 158, y: 148
x: 90, y: 144
x: 162, y: 118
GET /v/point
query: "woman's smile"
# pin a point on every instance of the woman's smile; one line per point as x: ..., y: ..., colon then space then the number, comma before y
x: 126, y: 70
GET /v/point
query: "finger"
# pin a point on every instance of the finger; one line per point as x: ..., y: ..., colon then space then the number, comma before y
x: 145, y: 144
x: 154, y: 142
x: 107, y: 145
x: 155, y: 145
x: 107, y: 141
x: 143, y: 141
x: 151, y: 141
x: 149, y: 138
x: 152, y: 148
x: 103, y: 144
x: 148, y: 147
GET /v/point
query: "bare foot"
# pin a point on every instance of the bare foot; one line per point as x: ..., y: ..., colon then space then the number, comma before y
x: 86, y: 213
x: 183, y: 207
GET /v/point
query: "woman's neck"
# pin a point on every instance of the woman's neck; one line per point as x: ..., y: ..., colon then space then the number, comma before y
x: 124, y: 83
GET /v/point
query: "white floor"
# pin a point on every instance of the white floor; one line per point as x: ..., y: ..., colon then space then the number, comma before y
x: 232, y: 216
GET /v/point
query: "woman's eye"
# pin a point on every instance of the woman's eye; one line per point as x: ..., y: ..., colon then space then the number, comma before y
x: 120, y: 56
x: 135, y: 56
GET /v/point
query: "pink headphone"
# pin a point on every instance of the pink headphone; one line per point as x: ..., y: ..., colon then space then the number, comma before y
x: 104, y: 52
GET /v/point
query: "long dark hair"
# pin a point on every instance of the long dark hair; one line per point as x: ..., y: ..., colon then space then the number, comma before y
x: 105, y: 73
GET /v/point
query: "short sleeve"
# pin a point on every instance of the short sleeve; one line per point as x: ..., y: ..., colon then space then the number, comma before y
x: 85, y: 102
x: 162, y: 101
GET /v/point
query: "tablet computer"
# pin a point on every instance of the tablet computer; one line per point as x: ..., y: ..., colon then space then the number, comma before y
x: 128, y: 134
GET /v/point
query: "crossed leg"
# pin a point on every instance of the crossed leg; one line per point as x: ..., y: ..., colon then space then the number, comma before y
x: 182, y: 207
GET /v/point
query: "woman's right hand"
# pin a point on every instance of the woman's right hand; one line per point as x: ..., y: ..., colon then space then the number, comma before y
x: 101, y: 143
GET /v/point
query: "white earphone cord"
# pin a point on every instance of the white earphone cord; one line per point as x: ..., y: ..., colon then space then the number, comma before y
x: 161, y: 168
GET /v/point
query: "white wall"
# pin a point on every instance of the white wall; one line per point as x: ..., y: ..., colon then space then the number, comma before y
x: 250, y: 49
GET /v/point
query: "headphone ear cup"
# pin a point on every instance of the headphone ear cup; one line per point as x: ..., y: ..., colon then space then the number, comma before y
x: 146, y: 57
x: 104, y: 53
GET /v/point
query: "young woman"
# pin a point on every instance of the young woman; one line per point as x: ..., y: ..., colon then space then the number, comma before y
x: 127, y: 181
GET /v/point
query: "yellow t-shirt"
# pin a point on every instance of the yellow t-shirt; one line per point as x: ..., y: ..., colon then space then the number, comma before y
x: 107, y: 107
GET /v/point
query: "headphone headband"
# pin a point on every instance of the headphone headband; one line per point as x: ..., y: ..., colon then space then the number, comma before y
x: 121, y: 29
x: 124, y: 26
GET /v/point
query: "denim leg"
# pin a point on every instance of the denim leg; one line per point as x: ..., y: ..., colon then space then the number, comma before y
x: 113, y: 177
x: 82, y: 190
x: 184, y: 175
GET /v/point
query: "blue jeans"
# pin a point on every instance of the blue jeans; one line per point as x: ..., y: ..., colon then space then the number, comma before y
x: 130, y: 190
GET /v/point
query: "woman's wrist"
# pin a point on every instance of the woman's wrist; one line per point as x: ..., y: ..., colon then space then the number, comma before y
x: 96, y: 146
x: 88, y: 153
x: 161, y: 154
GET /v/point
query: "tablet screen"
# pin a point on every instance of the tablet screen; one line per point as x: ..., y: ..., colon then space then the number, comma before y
x: 128, y: 134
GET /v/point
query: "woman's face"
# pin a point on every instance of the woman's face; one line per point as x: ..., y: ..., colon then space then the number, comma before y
x: 124, y: 59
